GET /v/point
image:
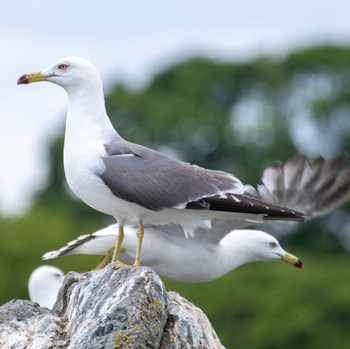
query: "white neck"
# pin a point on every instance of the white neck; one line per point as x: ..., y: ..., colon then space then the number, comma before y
x: 235, y: 251
x: 86, y: 109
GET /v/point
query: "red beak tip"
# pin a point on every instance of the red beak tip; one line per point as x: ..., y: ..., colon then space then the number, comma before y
x: 22, y: 80
x: 299, y: 264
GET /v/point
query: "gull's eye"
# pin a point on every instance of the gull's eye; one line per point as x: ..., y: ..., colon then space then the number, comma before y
x: 62, y: 66
x: 273, y: 244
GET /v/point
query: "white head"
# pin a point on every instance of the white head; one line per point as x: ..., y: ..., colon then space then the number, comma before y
x: 44, y: 284
x: 70, y: 73
x: 255, y: 245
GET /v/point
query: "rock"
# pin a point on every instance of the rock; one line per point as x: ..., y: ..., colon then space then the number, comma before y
x: 24, y: 324
x: 187, y: 326
x: 127, y: 308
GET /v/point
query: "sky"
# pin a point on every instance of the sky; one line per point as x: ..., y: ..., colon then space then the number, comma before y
x: 129, y: 42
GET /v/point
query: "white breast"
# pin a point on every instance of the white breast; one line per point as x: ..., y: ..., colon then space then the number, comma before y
x: 84, y: 150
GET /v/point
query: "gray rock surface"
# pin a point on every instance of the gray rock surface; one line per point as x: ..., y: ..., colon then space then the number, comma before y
x: 187, y: 326
x: 127, y: 308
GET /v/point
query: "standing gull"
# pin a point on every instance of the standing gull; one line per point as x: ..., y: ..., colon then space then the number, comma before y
x: 133, y: 183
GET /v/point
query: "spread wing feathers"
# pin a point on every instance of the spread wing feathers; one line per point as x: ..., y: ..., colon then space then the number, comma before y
x: 152, y: 180
x: 315, y: 187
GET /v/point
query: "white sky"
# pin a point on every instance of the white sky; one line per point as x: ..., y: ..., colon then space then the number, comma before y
x: 129, y: 41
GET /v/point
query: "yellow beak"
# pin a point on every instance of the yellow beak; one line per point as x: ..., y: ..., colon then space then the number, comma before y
x: 288, y: 257
x: 32, y: 77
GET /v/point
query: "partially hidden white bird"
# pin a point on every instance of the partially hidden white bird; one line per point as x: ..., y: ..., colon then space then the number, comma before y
x: 135, y: 184
x: 167, y: 251
x: 44, y: 284
x: 316, y: 187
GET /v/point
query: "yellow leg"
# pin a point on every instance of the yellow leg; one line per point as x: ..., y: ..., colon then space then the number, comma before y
x: 118, y: 245
x: 140, y: 234
x: 105, y: 259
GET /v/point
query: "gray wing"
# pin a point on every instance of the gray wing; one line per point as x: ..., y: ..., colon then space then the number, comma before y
x: 152, y: 180
x: 316, y: 187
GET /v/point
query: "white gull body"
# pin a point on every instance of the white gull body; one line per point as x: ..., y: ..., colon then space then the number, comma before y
x: 44, y: 284
x: 167, y: 251
x: 88, y: 130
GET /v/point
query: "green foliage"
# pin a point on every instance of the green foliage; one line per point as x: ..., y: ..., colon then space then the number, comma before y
x: 272, y: 305
x: 237, y: 117
x: 26, y: 239
x: 241, y: 117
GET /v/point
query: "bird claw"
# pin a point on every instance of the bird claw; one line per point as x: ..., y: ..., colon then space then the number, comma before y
x: 119, y: 264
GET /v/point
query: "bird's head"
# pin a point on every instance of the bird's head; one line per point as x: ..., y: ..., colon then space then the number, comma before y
x: 68, y: 72
x: 260, y: 246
